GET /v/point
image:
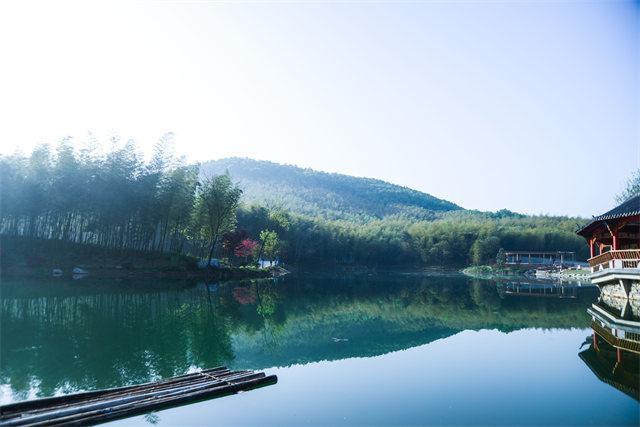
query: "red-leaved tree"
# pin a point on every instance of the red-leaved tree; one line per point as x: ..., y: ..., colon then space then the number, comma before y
x: 245, y: 248
x: 231, y: 240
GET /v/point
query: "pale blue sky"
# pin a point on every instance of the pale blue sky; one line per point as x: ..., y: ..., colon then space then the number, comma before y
x: 530, y: 106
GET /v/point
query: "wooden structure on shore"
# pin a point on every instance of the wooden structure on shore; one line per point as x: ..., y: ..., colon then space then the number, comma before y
x: 94, y: 407
x: 614, y: 237
x: 535, y: 258
x: 614, y: 244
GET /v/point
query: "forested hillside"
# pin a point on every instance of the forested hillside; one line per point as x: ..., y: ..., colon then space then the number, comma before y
x: 114, y: 199
x: 326, y: 195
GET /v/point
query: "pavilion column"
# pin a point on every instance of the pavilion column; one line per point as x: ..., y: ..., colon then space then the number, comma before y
x: 614, y: 237
x: 592, y: 248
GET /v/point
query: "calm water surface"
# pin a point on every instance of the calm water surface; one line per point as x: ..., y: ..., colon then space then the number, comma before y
x: 384, y: 349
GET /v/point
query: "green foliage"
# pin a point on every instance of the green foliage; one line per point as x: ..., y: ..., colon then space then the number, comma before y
x: 501, y: 257
x: 495, y: 272
x: 113, y: 199
x: 160, y: 328
x: 214, y: 212
x: 632, y: 188
x: 460, y: 238
x: 484, y: 249
x: 330, y: 196
x: 270, y: 244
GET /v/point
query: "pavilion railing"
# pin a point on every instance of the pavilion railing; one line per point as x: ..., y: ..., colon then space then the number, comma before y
x: 626, y: 258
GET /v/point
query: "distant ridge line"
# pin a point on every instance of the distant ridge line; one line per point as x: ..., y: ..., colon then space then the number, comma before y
x: 328, y: 194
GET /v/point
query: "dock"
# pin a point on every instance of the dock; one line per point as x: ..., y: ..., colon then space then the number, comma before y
x: 95, y: 407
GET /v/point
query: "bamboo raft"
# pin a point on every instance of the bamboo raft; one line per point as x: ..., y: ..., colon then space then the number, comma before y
x: 94, y: 407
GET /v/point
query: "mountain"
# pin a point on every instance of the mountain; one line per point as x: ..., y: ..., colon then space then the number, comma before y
x: 329, y: 195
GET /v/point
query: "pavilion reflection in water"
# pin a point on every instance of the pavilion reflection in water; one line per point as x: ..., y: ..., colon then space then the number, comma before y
x: 614, y: 350
x: 544, y: 289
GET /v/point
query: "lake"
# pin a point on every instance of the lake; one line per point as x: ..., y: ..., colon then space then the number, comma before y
x: 348, y: 349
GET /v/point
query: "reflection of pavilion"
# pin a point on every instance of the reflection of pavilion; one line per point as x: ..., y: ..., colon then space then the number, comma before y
x: 549, y: 290
x: 614, y: 352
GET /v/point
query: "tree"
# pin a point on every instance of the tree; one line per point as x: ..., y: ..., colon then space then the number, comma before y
x: 179, y: 189
x: 280, y: 219
x: 217, y: 199
x: 270, y: 244
x: 231, y: 240
x: 112, y: 198
x: 484, y: 249
x: 501, y: 257
x: 245, y: 248
x: 632, y: 188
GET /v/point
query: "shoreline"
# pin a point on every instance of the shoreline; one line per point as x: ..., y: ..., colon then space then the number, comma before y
x: 38, y: 258
x: 488, y: 272
x: 223, y: 273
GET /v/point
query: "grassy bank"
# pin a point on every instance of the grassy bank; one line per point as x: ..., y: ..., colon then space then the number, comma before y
x: 38, y: 258
x: 494, y: 271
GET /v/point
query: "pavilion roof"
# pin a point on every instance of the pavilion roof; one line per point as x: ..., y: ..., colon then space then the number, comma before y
x: 629, y: 208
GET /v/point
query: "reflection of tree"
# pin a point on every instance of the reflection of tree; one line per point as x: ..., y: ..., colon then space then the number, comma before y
x: 105, y: 340
x: 209, y: 337
x: 244, y: 295
x: 267, y: 299
x: 485, y: 295
x: 97, y: 337
x: 380, y: 314
x: 267, y: 308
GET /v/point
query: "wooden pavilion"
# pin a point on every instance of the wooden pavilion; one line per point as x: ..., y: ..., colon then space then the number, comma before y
x: 614, y: 237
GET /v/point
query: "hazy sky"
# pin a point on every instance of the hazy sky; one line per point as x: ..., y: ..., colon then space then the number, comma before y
x: 532, y: 106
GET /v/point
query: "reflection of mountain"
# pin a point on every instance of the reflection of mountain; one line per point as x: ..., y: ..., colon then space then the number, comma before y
x: 337, y: 338
x: 59, y: 337
x: 382, y: 315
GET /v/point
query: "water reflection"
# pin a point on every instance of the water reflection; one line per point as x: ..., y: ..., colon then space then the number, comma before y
x: 613, y: 354
x: 59, y: 337
x: 543, y: 290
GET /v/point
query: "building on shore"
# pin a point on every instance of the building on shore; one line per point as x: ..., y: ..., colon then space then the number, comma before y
x: 536, y: 258
x: 614, y: 244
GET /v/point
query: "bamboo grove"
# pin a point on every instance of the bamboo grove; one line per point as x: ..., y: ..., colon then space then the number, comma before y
x: 112, y: 199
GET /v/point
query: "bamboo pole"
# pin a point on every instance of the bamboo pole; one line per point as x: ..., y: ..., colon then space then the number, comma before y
x: 99, y: 406
x: 103, y: 410
x: 53, y: 401
x: 170, y: 401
